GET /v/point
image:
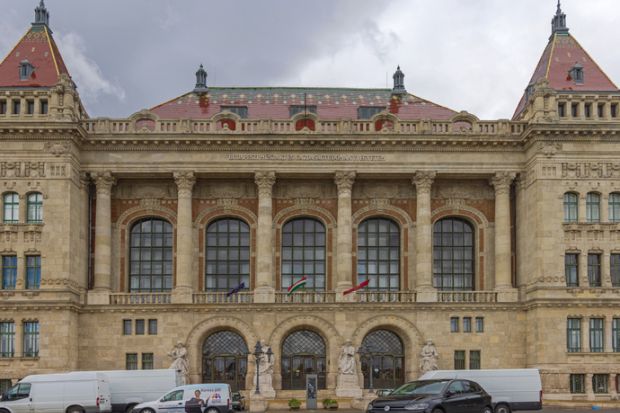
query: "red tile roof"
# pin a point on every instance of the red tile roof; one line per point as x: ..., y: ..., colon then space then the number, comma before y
x: 273, y: 103
x: 560, y: 55
x: 39, y: 48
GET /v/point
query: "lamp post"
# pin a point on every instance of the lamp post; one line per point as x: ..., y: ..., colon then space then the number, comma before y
x: 257, y: 354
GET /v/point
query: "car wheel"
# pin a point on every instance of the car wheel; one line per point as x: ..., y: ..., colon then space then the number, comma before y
x: 502, y: 408
x: 130, y: 408
x: 75, y: 409
x: 147, y: 410
x: 438, y: 410
x: 487, y: 410
x: 212, y: 410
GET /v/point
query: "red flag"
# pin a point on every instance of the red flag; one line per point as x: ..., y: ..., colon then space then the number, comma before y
x: 357, y: 287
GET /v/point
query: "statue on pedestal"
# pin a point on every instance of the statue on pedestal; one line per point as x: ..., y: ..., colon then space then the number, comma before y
x: 179, y: 361
x: 265, y: 371
x: 346, y: 360
x: 347, y: 384
x: 429, y: 356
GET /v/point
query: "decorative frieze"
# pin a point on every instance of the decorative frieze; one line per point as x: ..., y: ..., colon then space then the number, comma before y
x: 590, y: 170
x: 22, y: 169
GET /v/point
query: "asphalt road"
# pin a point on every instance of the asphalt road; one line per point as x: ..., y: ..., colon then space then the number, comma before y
x: 545, y: 410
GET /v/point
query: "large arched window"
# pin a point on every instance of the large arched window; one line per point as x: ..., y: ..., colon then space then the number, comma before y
x: 378, y: 254
x: 571, y: 207
x: 303, y: 352
x: 384, y: 356
x: 614, y: 207
x: 35, y: 208
x: 225, y: 359
x: 150, y: 256
x: 303, y: 253
x: 453, y: 255
x: 593, y: 207
x: 227, y: 255
x: 10, y: 204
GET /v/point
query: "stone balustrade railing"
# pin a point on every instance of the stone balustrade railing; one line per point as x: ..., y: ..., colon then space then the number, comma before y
x: 223, y: 298
x: 306, y: 297
x: 385, y: 297
x: 467, y: 296
x: 139, y: 298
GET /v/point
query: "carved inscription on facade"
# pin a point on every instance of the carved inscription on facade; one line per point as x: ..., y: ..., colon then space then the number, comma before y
x: 304, y: 157
x: 22, y: 169
x: 591, y: 170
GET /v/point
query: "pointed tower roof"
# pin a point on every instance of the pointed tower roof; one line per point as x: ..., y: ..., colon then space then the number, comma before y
x: 557, y: 65
x: 38, y: 48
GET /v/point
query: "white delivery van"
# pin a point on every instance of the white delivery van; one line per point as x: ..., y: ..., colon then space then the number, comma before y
x: 131, y: 387
x: 59, y: 393
x: 174, y: 401
x: 510, y: 389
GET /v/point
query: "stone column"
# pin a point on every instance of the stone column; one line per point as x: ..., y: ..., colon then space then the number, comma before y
x: 344, y: 182
x: 503, y: 266
x: 183, y: 289
x: 589, y: 388
x: 424, y: 240
x: 264, y: 291
x: 104, y: 182
x: 583, y: 269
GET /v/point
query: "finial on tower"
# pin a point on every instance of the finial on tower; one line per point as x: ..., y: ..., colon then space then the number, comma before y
x: 399, y: 82
x: 558, y: 23
x: 41, y: 16
x: 201, y: 80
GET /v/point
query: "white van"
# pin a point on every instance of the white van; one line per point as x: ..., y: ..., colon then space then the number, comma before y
x: 174, y: 401
x: 510, y: 389
x: 53, y: 393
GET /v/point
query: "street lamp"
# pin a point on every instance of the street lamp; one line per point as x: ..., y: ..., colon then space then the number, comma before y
x: 366, y: 351
x: 257, y: 353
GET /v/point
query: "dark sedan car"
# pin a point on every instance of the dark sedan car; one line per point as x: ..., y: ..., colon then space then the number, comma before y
x: 435, y: 396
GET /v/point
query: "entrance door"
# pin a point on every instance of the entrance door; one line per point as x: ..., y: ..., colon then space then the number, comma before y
x: 225, y: 360
x: 303, y: 353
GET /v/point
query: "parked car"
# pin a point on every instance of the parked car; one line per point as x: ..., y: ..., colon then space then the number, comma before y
x: 510, y: 389
x: 383, y: 392
x: 435, y: 396
x: 238, y: 401
x: 174, y: 401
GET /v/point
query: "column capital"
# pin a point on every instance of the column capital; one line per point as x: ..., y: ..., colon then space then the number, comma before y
x: 344, y: 181
x: 185, y: 182
x: 265, y: 181
x: 423, y: 180
x: 502, y: 181
x: 104, y: 181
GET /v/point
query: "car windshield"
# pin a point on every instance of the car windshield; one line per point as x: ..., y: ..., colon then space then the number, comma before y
x: 420, y: 387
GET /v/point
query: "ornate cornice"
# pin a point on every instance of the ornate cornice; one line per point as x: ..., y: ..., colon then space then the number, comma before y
x: 344, y: 181
x: 423, y: 180
x: 104, y: 182
x: 264, y: 182
x: 185, y: 183
x: 502, y: 181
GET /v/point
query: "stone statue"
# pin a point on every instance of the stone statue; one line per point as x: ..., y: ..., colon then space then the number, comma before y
x: 429, y: 356
x: 346, y: 360
x: 179, y: 361
x: 265, y: 371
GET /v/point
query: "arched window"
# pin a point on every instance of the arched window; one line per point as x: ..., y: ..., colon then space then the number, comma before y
x: 303, y: 253
x: 10, y: 202
x: 614, y: 207
x: 571, y: 207
x: 593, y: 207
x: 150, y: 256
x: 384, y: 356
x: 227, y: 255
x: 35, y: 208
x: 453, y: 255
x: 225, y: 359
x: 303, y: 352
x: 378, y: 254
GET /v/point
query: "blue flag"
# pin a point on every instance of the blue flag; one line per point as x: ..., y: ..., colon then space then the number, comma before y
x: 236, y: 289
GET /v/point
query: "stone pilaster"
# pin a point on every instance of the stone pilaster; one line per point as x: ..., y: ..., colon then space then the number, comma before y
x: 104, y: 182
x: 183, y: 289
x: 264, y: 291
x: 503, y: 267
x: 344, y: 182
x: 423, y: 182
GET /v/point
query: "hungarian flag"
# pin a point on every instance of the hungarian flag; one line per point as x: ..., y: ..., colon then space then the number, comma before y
x: 296, y: 286
x: 236, y: 289
x: 357, y: 287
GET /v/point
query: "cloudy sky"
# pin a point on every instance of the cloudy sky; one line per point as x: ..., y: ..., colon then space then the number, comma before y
x: 474, y: 55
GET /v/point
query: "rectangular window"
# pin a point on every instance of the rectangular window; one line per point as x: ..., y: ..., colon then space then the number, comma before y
x: 601, y: 110
x: 594, y: 270
x: 562, y: 109
x: 34, y: 208
x: 574, y: 110
x: 131, y: 361
x: 17, y: 107
x: 467, y: 324
x: 474, y: 360
x: 295, y: 109
x: 33, y: 272
x: 600, y: 383
x: 593, y: 207
x: 588, y: 110
x: 573, y: 335
x: 597, y: 335
x: 614, y: 110
x: 7, y: 339
x: 127, y: 327
x: 152, y: 327
x: 30, y: 107
x: 3, y: 107
x: 479, y: 324
x: 5, y: 384
x: 615, y: 334
x: 140, y: 327
x: 9, y: 272
x: 459, y: 359
x: 577, y: 383
x: 43, y: 107
x: 571, y: 269
x: 454, y: 324
x: 367, y: 112
x: 31, y: 339
x: 614, y: 268
x: 147, y: 361
x: 241, y: 111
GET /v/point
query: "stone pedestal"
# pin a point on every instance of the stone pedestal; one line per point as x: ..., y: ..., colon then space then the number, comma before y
x: 258, y: 404
x: 426, y: 295
x: 348, y: 386
x: 266, y: 387
x: 264, y: 294
x: 98, y: 297
x: 181, y: 295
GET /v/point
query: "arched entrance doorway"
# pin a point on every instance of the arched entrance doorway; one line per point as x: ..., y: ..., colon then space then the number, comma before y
x: 385, y: 357
x: 225, y: 359
x: 303, y: 352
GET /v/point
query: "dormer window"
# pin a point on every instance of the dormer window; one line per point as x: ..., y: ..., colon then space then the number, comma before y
x: 25, y: 70
x: 367, y: 112
x: 576, y: 73
x: 241, y: 111
x: 295, y: 109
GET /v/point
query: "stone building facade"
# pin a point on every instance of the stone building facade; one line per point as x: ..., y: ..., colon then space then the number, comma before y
x: 188, y: 222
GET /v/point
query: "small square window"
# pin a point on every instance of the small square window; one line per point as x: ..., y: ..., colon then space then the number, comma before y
x: 147, y: 361
x: 459, y: 359
x: 600, y: 383
x: 467, y: 324
x: 17, y: 107
x: 43, y: 109
x: 614, y: 110
x: 601, y: 110
x: 562, y: 109
x: 152, y: 327
x: 474, y: 360
x: 140, y: 327
x: 479, y: 324
x: 574, y: 110
x: 577, y: 383
x: 30, y: 107
x: 454, y: 324
x: 3, y: 107
x: 131, y: 361
x: 588, y: 110
x: 127, y: 327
